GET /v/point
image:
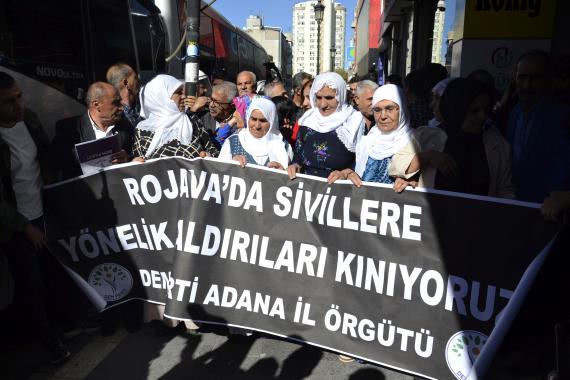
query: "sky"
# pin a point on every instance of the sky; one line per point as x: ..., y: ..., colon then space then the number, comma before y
x: 277, y: 13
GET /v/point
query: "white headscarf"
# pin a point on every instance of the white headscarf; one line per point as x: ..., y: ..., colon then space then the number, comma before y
x: 440, y: 87
x: 162, y: 115
x: 346, y: 121
x: 380, y: 145
x: 271, y: 146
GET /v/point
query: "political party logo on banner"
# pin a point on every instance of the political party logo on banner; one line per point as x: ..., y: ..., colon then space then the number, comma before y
x: 112, y: 281
x: 462, y: 350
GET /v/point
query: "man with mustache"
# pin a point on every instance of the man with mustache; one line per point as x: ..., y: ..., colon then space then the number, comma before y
x: 539, y: 132
x: 246, y: 83
x: 104, y: 116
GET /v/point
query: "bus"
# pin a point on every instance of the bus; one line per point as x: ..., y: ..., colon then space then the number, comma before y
x: 55, y: 49
x: 224, y: 49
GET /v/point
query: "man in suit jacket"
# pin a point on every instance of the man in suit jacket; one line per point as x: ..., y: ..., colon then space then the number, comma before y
x: 103, y: 118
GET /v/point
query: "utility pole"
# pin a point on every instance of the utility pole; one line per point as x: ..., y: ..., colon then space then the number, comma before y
x: 192, y: 47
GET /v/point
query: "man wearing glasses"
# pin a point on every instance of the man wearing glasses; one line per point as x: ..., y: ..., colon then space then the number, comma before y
x: 222, y: 121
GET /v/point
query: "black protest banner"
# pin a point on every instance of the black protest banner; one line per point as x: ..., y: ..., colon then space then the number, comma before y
x: 413, y: 281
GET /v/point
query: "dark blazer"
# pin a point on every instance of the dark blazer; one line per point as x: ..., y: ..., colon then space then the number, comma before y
x: 209, y: 122
x: 544, y: 165
x: 76, y: 130
x: 210, y: 127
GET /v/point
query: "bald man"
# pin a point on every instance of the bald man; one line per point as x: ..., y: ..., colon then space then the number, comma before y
x: 246, y: 82
x: 102, y: 118
x: 124, y: 78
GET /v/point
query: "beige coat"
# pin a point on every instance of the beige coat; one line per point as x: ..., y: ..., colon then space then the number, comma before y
x: 498, y: 158
x: 401, y: 161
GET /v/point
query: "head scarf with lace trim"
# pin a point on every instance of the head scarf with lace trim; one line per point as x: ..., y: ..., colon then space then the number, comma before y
x: 347, y: 122
x: 162, y: 116
x: 380, y: 145
x: 271, y: 146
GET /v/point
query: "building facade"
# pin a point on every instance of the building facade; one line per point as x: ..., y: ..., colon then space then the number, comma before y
x: 437, y: 55
x: 407, y: 34
x: 367, y: 27
x: 273, y: 41
x: 306, y: 45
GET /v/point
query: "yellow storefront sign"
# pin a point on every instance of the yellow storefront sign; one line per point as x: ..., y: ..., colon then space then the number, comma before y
x: 502, y: 19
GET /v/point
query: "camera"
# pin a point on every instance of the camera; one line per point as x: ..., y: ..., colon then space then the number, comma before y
x: 441, y: 6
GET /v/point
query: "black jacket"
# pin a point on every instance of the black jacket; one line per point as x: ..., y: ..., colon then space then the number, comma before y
x: 76, y: 130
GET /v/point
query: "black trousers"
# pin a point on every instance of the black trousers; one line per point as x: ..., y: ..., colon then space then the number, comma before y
x: 27, y: 268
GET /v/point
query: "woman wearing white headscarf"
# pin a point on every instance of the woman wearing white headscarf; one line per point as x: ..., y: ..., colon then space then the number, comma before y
x: 167, y: 130
x: 328, y: 132
x: 260, y: 143
x: 388, y: 153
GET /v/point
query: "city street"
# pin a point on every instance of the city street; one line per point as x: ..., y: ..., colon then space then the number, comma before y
x: 153, y: 353
x: 159, y: 353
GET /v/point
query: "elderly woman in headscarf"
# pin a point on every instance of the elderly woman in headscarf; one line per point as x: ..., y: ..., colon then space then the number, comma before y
x: 481, y: 154
x: 168, y: 131
x: 260, y: 143
x: 328, y: 132
x: 388, y: 153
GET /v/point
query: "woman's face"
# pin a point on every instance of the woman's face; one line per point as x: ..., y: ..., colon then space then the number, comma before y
x: 306, y: 98
x: 178, y: 98
x: 258, y: 125
x: 326, y: 101
x: 477, y: 115
x: 387, y: 115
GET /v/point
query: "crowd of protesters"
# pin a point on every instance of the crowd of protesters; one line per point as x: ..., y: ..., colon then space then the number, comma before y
x: 430, y: 131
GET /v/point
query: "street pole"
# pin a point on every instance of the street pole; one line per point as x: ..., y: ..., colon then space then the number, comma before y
x: 192, y: 47
x: 319, y: 9
x: 318, y: 44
